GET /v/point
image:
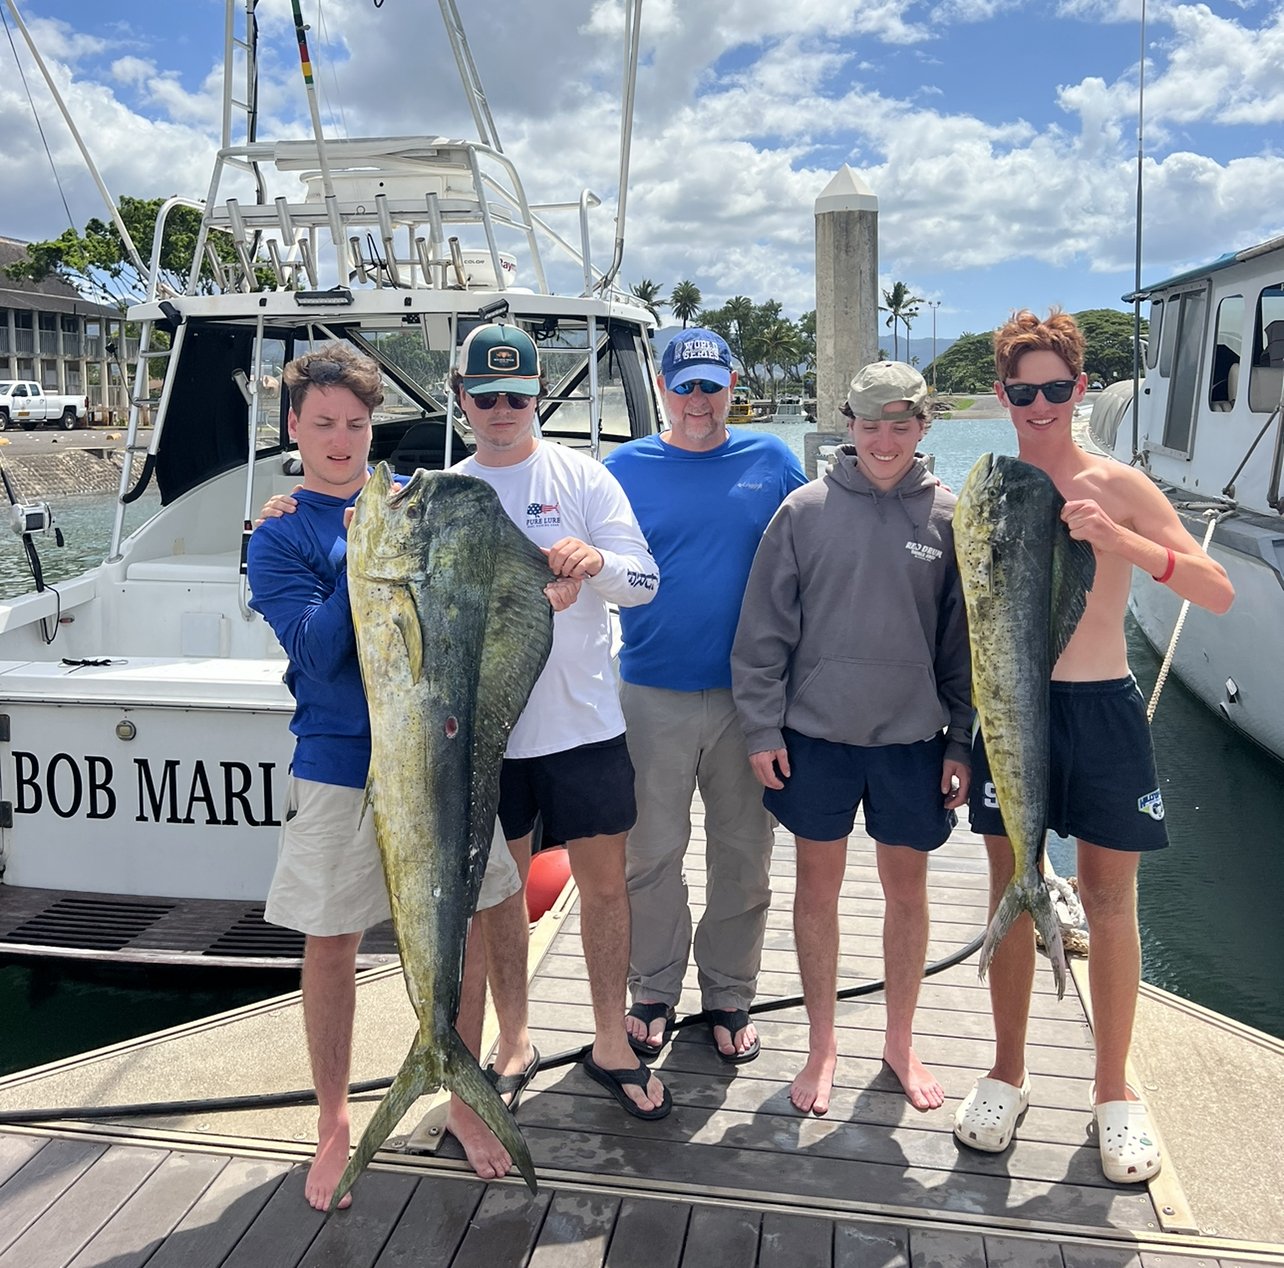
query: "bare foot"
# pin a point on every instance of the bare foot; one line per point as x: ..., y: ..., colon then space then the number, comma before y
x: 617, y: 1055
x: 813, y: 1084
x: 327, y: 1167
x: 487, y: 1157
x: 921, y: 1088
x: 652, y: 1036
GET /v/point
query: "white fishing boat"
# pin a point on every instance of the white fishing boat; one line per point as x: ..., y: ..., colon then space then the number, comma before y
x: 1208, y: 432
x: 144, y: 747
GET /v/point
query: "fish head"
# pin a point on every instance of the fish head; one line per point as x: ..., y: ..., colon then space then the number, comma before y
x: 387, y: 526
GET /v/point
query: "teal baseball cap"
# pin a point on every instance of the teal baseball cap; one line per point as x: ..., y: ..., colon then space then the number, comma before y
x: 495, y: 358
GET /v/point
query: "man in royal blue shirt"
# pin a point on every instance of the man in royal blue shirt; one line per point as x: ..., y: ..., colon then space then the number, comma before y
x: 703, y: 495
x: 329, y: 881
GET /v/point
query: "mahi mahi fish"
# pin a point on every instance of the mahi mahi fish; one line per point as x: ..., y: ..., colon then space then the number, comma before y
x: 453, y: 628
x: 1025, y: 583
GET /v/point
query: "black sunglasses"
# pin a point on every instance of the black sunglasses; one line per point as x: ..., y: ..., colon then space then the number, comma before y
x: 488, y: 400
x: 1055, y: 391
x: 707, y: 386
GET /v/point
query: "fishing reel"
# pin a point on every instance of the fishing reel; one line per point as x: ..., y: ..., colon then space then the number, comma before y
x: 34, y: 517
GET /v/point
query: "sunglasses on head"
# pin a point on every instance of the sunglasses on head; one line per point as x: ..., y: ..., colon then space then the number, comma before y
x: 707, y: 386
x: 488, y: 400
x: 1055, y: 391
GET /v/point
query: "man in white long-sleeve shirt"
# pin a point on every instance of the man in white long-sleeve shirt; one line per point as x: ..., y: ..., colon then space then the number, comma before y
x: 567, y: 762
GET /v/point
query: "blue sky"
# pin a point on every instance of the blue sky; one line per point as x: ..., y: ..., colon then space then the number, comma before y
x: 999, y: 136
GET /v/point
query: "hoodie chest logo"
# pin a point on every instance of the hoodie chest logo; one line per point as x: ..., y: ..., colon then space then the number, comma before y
x: 928, y: 554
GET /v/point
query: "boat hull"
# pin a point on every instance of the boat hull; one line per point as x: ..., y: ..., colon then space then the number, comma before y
x: 1229, y: 662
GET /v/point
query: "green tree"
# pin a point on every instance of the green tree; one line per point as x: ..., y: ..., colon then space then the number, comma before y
x: 967, y: 365
x: 685, y: 300
x: 781, y: 347
x: 901, y: 308
x: 746, y: 326
x: 96, y: 262
x: 648, y: 292
x: 1107, y: 335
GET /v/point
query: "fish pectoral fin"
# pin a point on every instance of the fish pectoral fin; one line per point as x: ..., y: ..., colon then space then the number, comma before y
x: 405, y: 617
x: 1074, y: 569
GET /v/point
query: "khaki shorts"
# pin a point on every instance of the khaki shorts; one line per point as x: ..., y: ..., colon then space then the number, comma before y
x: 329, y: 876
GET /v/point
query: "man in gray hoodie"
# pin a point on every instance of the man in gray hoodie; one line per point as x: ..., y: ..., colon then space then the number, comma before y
x: 851, y: 675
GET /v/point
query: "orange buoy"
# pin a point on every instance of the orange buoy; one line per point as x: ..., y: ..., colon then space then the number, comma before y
x: 550, y: 870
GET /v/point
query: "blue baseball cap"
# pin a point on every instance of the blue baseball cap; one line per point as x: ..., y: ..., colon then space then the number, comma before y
x: 497, y: 358
x: 696, y: 353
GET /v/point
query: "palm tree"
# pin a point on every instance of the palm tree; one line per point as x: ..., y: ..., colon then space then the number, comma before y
x: 685, y: 301
x: 901, y: 307
x: 781, y: 347
x: 649, y: 293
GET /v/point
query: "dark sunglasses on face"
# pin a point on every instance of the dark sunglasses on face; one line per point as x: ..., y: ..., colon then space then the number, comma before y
x: 488, y: 400
x: 1055, y: 391
x: 705, y: 385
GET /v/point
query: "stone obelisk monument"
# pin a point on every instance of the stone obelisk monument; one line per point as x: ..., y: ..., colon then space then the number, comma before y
x: 846, y: 290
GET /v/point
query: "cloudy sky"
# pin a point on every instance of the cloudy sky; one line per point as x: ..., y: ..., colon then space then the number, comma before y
x: 1000, y: 136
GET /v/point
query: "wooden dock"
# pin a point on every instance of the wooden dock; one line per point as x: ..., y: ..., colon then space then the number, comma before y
x: 733, y: 1176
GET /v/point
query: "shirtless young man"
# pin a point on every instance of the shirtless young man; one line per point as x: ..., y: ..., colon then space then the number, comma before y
x: 1104, y: 788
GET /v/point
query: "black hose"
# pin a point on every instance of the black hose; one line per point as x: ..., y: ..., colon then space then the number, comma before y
x: 272, y: 1100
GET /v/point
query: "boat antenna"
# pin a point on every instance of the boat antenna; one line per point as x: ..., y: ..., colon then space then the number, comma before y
x: 633, y: 27
x: 131, y: 250
x: 1136, y: 275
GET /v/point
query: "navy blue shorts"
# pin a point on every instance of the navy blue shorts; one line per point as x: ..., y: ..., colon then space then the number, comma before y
x: 1102, y: 785
x: 900, y: 785
x: 581, y: 792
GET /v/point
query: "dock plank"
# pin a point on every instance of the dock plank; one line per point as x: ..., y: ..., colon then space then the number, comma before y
x: 795, y: 1241
x: 504, y: 1229
x: 858, y: 1244
x: 648, y: 1234
x: 354, y: 1237
x: 140, y: 1225
x: 433, y: 1224
x: 282, y: 1231
x: 219, y: 1218
x: 82, y: 1208
x: 576, y: 1231
x: 722, y: 1235
x: 38, y: 1184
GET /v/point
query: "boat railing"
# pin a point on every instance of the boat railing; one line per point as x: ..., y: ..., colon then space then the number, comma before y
x: 391, y: 210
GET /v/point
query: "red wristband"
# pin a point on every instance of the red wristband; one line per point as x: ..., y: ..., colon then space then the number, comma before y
x: 1172, y: 563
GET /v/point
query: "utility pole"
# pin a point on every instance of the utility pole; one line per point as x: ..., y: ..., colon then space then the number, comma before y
x: 934, y: 304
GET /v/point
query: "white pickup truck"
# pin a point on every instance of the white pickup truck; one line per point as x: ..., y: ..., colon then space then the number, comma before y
x: 25, y: 402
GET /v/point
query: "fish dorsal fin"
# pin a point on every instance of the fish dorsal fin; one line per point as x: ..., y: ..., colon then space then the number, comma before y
x: 405, y: 616
x: 1074, y: 568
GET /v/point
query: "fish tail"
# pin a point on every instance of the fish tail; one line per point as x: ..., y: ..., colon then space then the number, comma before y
x: 465, y: 1077
x: 418, y: 1074
x: 1034, y: 898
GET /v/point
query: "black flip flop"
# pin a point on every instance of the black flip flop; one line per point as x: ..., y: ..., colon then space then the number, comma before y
x: 614, y: 1081
x: 514, y: 1084
x: 733, y: 1020
x: 646, y: 1014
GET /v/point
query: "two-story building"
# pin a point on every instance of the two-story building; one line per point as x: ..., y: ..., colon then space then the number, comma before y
x: 68, y: 344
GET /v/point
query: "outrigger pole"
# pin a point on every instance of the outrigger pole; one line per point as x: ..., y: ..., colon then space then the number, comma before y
x: 134, y: 258
x: 633, y: 29
x: 1136, y: 278
x: 327, y: 184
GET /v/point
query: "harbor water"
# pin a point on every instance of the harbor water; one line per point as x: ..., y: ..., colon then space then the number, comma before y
x: 1210, y: 905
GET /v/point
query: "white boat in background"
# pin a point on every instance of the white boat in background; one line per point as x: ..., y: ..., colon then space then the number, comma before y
x: 1209, y: 433
x: 789, y: 409
x: 144, y: 747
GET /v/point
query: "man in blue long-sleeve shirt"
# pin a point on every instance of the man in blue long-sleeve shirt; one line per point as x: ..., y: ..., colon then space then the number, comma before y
x: 329, y: 881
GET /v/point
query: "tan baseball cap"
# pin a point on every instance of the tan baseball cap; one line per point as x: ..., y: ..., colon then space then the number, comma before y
x: 880, y: 384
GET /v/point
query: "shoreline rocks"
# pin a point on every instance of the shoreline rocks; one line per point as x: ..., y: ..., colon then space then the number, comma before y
x: 67, y: 473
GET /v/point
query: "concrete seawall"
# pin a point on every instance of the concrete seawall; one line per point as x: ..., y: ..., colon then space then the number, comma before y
x: 67, y: 472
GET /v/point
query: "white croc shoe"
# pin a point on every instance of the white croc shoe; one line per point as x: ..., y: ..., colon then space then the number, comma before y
x: 988, y: 1116
x: 1126, y: 1138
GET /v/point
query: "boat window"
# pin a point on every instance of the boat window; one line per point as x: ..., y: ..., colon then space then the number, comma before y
x: 1267, y: 383
x: 1154, y: 327
x: 1168, y: 337
x: 1223, y: 380
x: 624, y: 382
x: 1187, y: 343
